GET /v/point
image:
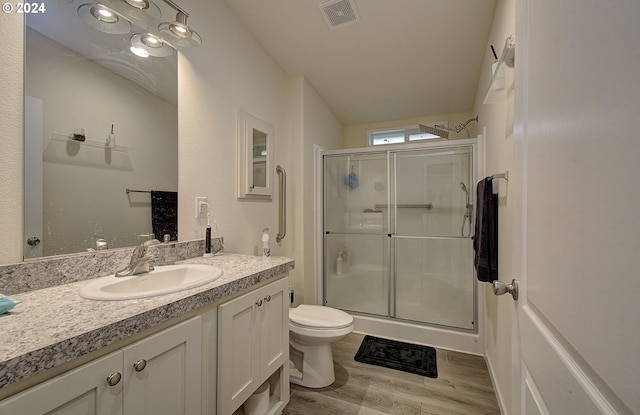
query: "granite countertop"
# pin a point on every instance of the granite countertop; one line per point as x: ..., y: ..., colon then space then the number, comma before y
x: 55, y: 325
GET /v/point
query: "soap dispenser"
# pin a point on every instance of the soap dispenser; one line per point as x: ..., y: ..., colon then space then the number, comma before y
x: 266, y: 244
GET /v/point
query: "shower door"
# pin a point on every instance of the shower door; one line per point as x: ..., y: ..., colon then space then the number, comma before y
x: 431, y: 246
x: 397, y: 228
x: 356, y: 246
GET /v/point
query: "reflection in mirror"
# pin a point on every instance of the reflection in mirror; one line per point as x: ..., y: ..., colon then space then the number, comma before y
x: 98, y: 120
x: 255, y: 155
x: 259, y: 158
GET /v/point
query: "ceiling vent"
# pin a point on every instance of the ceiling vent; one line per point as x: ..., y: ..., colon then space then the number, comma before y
x: 339, y: 13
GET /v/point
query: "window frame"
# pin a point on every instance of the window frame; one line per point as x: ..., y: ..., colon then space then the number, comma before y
x: 405, y: 132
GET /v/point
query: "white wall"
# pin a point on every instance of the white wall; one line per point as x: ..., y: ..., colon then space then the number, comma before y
x: 233, y: 72
x: 230, y: 71
x: 322, y: 128
x: 11, y: 156
x: 497, y: 120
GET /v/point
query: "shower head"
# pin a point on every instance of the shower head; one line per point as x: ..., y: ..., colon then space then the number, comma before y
x: 435, y: 130
x: 463, y: 187
x: 463, y: 126
x: 443, y: 132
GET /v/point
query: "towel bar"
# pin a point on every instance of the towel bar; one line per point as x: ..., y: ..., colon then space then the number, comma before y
x: 504, y: 175
x: 137, y: 191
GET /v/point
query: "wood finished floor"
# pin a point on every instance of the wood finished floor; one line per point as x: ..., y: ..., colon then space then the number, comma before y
x: 463, y: 386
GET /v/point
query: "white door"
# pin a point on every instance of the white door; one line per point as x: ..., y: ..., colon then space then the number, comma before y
x: 577, y: 179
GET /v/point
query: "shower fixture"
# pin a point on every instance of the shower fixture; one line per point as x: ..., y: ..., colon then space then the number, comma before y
x: 443, y: 131
x: 468, y: 212
x: 465, y: 190
x: 435, y: 130
x: 463, y: 126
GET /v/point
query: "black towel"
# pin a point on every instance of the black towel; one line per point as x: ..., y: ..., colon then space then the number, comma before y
x: 485, y: 242
x: 164, y: 214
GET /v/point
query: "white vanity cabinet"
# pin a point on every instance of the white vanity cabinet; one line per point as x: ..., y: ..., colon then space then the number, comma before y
x: 84, y: 390
x: 253, y: 347
x: 160, y: 374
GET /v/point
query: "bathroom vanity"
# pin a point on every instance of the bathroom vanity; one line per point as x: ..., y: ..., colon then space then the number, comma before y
x: 188, y: 352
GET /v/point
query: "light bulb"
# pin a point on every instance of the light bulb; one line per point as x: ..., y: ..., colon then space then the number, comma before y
x: 139, y: 52
x: 103, y: 15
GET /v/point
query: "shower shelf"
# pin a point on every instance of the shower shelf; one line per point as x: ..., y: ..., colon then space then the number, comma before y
x: 65, y: 150
x: 502, y: 86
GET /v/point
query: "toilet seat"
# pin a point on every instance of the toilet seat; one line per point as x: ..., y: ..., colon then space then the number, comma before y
x: 319, y: 317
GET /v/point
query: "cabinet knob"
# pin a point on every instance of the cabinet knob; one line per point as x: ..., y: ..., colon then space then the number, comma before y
x: 259, y: 303
x: 140, y: 365
x: 267, y: 298
x: 114, y: 379
x: 33, y: 241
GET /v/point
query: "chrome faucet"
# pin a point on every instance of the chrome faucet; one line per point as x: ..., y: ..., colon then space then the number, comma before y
x: 140, y: 262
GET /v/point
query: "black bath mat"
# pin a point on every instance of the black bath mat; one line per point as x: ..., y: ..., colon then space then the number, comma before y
x: 406, y: 357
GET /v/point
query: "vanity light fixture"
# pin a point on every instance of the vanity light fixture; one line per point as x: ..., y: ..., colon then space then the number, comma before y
x: 138, y: 4
x: 137, y: 10
x: 151, y: 44
x: 110, y: 18
x: 178, y: 32
x: 103, y: 18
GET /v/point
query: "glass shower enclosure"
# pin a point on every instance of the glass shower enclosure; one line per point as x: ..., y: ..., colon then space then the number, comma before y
x: 397, y: 234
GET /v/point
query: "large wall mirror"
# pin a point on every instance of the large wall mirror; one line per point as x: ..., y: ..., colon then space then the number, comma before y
x: 101, y: 136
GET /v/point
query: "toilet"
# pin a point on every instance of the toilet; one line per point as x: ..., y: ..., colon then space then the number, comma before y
x: 312, y: 329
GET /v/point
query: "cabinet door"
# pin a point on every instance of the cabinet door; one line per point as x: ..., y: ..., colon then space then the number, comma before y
x: 163, y: 372
x: 274, y: 327
x: 238, y: 351
x: 83, y: 390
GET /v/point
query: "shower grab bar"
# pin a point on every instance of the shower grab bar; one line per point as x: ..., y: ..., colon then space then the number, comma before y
x: 282, y: 206
x: 427, y: 206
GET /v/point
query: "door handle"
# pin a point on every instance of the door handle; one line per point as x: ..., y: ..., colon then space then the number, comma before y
x: 500, y: 288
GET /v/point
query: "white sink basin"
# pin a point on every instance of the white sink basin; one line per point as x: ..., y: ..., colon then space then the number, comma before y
x: 163, y: 280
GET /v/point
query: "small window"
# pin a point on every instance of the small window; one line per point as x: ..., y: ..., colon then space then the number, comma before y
x: 386, y: 137
x: 402, y: 135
